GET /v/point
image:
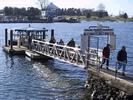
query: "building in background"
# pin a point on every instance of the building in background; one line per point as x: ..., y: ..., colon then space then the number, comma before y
x: 2, y: 15
x: 49, y: 11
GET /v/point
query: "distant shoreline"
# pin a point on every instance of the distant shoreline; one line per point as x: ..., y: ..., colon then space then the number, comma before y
x: 109, y: 18
x: 81, y: 19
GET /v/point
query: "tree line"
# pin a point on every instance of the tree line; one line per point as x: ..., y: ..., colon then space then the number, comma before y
x: 34, y: 13
x: 30, y: 12
x: 82, y: 12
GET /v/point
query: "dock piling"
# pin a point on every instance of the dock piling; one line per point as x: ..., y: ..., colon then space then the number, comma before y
x: 52, y: 33
x: 11, y: 39
x: 52, y: 40
x: 44, y: 35
x: 6, y: 37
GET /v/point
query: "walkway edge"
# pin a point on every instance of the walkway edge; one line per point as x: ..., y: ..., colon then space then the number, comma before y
x: 117, y: 82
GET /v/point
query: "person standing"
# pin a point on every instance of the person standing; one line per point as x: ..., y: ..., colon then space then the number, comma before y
x: 71, y: 43
x: 61, y: 42
x: 122, y: 59
x: 106, y: 54
x: 29, y: 42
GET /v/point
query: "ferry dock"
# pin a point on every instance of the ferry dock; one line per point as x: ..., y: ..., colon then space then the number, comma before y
x: 32, y: 43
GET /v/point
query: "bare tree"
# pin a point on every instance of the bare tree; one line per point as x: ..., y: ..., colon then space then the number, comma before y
x: 101, y: 7
x: 42, y: 3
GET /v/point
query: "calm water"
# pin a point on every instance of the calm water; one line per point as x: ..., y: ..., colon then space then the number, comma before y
x: 23, y: 79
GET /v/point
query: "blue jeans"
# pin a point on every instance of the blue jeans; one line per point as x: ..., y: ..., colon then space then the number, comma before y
x: 122, y: 64
x: 105, y: 60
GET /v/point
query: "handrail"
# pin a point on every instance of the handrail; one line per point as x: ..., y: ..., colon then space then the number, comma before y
x: 61, y: 52
x: 65, y: 46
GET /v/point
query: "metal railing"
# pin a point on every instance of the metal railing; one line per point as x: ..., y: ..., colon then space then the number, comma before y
x: 64, y: 53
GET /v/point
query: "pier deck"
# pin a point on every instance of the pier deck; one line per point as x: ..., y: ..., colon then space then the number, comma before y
x: 124, y: 83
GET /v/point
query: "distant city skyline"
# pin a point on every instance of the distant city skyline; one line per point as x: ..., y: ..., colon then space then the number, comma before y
x: 112, y: 6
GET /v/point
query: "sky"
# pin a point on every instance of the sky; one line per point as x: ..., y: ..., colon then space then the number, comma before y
x: 112, y: 6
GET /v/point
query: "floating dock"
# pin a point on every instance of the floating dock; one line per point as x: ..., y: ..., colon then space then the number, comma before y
x: 35, y: 56
x: 15, y: 50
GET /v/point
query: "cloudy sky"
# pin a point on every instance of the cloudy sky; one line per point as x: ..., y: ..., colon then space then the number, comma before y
x: 112, y: 6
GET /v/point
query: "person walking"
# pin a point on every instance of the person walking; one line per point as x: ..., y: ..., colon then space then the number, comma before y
x: 122, y: 59
x: 106, y: 54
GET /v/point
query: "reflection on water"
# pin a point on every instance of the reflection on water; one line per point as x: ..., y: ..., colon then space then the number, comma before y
x: 27, y: 80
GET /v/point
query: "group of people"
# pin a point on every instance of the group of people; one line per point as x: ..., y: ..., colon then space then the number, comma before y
x: 121, y: 58
x: 71, y: 43
x: 121, y: 55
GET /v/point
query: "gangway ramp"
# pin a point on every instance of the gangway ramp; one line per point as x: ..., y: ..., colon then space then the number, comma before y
x: 71, y: 55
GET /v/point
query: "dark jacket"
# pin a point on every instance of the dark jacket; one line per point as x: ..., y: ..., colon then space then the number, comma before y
x: 71, y: 43
x: 106, y: 52
x: 122, y: 56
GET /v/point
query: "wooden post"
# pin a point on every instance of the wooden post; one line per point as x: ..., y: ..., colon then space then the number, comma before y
x: 52, y: 33
x: 6, y: 37
x: 44, y: 35
x: 11, y: 39
x: 52, y: 40
x: 19, y: 41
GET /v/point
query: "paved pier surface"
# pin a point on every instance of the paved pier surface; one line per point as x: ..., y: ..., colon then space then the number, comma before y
x: 124, y: 83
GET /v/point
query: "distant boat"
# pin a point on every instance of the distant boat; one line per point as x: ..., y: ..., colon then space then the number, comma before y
x: 73, y: 20
x: 59, y: 19
x: 64, y: 19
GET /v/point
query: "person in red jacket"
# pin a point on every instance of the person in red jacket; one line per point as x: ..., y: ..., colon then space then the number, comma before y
x: 106, y: 54
x: 122, y: 59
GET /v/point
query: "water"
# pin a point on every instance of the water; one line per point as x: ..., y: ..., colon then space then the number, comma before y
x: 53, y: 80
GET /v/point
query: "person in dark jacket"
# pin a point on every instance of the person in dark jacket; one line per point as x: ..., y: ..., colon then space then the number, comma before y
x: 29, y: 42
x: 71, y: 43
x: 61, y: 42
x: 106, y: 54
x: 122, y: 59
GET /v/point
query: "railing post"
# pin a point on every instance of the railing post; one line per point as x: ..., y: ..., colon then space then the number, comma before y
x: 116, y: 69
x: 87, y: 57
x: 11, y: 39
x: 76, y: 57
x: 6, y: 37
